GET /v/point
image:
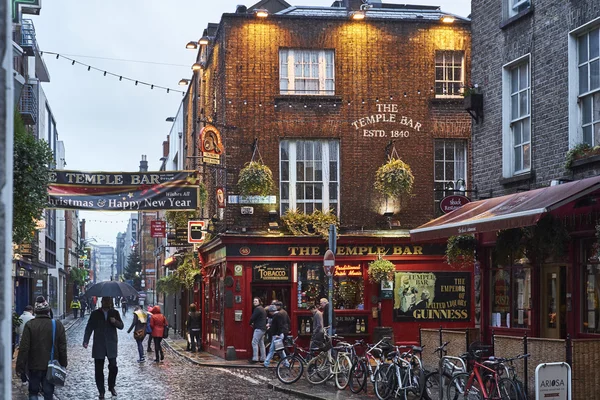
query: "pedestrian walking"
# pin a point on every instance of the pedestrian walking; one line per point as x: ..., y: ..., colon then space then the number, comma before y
x: 317, y: 338
x: 285, y: 318
x: 75, y: 306
x: 104, y: 323
x: 36, y: 346
x: 25, y: 317
x: 276, y: 331
x: 149, y: 328
x: 124, y: 305
x: 325, y: 309
x: 158, y: 322
x: 140, y: 318
x: 83, y: 307
x: 194, y: 326
x: 258, y: 321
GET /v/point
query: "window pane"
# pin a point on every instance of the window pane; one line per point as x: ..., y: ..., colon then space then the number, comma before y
x: 514, y: 80
x: 333, y: 150
x: 594, y: 43
x: 597, y: 134
x: 449, y: 151
x: 500, y: 297
x: 518, y: 159
x: 439, y: 171
x: 439, y: 150
x: 524, y: 103
x: 439, y: 58
x: 333, y: 191
x: 300, y: 171
x: 449, y: 167
x: 284, y: 145
x: 309, y: 208
x: 523, y: 76
x: 318, y: 171
x: 517, y: 134
x: 595, y: 75
x: 333, y: 175
x: 318, y: 191
x: 514, y: 106
x: 526, y: 156
x: 583, y: 49
x: 300, y: 191
x: 521, y: 298
x: 583, y: 79
x: 285, y: 191
x: 310, y: 171
x: 310, y: 192
x: 309, y: 153
x: 587, y: 135
x: 526, y: 131
x: 586, y: 116
x: 439, y: 74
x: 285, y: 171
x: 299, y: 151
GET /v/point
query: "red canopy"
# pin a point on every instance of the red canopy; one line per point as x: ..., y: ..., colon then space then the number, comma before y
x: 511, y: 211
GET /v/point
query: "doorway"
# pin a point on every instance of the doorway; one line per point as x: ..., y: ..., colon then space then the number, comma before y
x: 268, y: 293
x: 553, y: 301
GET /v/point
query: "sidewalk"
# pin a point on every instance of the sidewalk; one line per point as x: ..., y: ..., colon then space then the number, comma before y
x: 302, y: 388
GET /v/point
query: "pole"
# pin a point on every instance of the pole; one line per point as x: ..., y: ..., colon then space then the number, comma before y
x: 332, y: 247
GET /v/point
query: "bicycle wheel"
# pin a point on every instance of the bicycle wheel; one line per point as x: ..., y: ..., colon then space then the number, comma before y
x: 292, y: 372
x: 521, y: 390
x: 431, y: 386
x: 507, y: 390
x: 318, y: 370
x: 342, y: 376
x: 456, y: 389
x: 417, y: 381
x: 382, y: 382
x: 358, y: 376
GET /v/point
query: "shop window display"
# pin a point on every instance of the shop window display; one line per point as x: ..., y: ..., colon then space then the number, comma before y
x: 348, y: 286
x: 511, y: 297
x: 590, y: 305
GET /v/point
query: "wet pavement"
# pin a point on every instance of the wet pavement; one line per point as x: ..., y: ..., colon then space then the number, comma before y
x: 175, y: 379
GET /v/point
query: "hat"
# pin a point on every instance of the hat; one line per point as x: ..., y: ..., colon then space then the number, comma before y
x: 41, y: 307
x: 272, y: 308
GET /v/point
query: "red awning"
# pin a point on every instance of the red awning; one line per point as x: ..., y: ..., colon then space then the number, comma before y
x: 512, y: 211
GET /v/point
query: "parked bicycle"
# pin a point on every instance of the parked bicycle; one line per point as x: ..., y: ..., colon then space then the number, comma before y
x: 405, y: 374
x: 334, y: 362
x: 450, y: 367
x: 367, y: 366
x: 290, y: 368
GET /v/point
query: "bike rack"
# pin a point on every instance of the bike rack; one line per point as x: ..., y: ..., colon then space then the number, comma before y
x: 441, y: 369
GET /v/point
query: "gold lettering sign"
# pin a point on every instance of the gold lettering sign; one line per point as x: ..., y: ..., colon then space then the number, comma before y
x: 268, y: 272
x: 348, y: 270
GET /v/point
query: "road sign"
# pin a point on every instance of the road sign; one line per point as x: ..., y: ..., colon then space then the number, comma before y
x: 196, y: 231
x: 328, y: 262
x: 158, y: 229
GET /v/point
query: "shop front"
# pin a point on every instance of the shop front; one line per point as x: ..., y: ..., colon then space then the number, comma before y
x: 549, y: 287
x: 425, y: 291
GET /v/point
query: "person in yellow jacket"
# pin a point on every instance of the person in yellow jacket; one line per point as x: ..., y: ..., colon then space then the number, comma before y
x: 75, y: 306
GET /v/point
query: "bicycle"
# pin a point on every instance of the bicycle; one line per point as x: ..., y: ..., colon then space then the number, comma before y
x: 405, y: 374
x: 508, y: 368
x: 291, y: 368
x: 363, y: 368
x: 324, y: 366
x: 450, y: 367
x: 482, y: 383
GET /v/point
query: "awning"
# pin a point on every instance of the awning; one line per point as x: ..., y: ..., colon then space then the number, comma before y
x: 25, y: 265
x: 511, y: 211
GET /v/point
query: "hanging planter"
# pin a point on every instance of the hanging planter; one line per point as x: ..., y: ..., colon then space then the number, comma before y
x: 381, y: 270
x: 394, y: 178
x: 547, y: 240
x: 460, y: 251
x: 315, y: 224
x: 255, y: 179
x: 509, y: 246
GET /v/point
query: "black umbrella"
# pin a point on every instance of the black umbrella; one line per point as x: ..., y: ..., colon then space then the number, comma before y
x: 111, y: 289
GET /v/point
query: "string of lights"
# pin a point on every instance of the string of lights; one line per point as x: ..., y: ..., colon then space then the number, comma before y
x: 124, y: 60
x: 121, y: 77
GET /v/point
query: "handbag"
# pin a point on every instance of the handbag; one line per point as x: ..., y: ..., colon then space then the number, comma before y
x: 278, y: 343
x: 56, y: 374
x: 139, y: 334
x: 166, y: 332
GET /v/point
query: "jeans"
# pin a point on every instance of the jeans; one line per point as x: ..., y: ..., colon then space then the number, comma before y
x: 75, y: 310
x: 112, y: 374
x: 195, y: 339
x: 140, y: 348
x: 37, y: 379
x: 149, y: 342
x: 258, y: 343
x: 158, y: 348
x: 272, y: 350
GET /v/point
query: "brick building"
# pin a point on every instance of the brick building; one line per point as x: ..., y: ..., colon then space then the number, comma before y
x: 536, y: 63
x: 323, y: 98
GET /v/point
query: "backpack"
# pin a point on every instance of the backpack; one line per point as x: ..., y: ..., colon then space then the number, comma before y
x: 148, y: 327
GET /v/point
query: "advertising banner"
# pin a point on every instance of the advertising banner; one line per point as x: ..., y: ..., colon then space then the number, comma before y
x: 158, y: 229
x: 432, y: 296
x: 123, y: 191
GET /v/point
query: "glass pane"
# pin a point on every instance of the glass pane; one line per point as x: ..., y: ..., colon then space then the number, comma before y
x: 518, y: 159
x: 284, y: 145
x: 500, y: 297
x: 521, y: 298
x: 587, y: 135
x: 526, y: 131
x: 583, y: 79
x: 285, y: 171
x: 333, y: 150
x: 594, y: 43
x: 514, y: 80
x: 309, y: 147
x: 439, y: 58
x: 449, y: 152
x: 315, y: 70
x: 306, y: 70
x: 309, y: 208
x: 319, y: 151
x: 310, y: 192
x: 524, y: 76
x: 285, y: 191
x: 297, y: 70
x: 300, y: 171
x: 514, y: 106
x: 439, y: 150
x: 583, y: 48
x: 319, y: 171
x: 318, y: 191
x: 597, y: 134
x: 449, y: 168
x: 517, y: 134
x: 299, y: 151
x: 299, y: 191
x: 526, y: 156
x: 318, y: 206
x: 310, y: 171
x: 333, y: 191
x: 333, y: 174
x: 439, y: 74
x: 524, y: 103
x: 596, y: 112
x: 439, y: 171
x: 595, y: 75
x: 457, y: 74
x: 586, y: 116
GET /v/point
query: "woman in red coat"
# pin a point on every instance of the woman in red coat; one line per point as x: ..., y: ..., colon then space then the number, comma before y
x: 158, y: 323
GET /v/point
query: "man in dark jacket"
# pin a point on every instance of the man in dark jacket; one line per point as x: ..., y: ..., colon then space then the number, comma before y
x: 258, y: 320
x: 330, y: 325
x: 276, y: 331
x: 104, y: 323
x: 285, y: 317
x: 194, y: 327
x: 35, y: 348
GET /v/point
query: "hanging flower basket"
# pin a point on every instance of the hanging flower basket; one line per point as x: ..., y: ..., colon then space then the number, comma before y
x: 255, y: 179
x: 315, y: 224
x: 380, y: 270
x: 394, y: 179
x: 460, y: 251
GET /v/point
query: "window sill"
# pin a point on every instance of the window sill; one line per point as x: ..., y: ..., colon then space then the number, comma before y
x: 528, y: 176
x: 586, y: 161
x: 506, y: 23
x: 307, y: 98
x: 448, y: 100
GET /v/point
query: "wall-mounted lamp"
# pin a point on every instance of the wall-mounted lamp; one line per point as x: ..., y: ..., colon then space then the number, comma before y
x: 388, y: 214
x: 358, y: 15
x: 261, y: 13
x: 191, y: 45
x: 203, y: 41
x: 184, y: 82
x: 448, y: 19
x: 196, y: 67
x: 273, y: 224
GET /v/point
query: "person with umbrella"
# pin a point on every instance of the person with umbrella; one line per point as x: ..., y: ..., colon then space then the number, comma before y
x: 104, y: 323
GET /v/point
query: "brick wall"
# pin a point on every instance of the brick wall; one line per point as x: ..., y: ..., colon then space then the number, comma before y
x: 376, y: 62
x: 543, y: 33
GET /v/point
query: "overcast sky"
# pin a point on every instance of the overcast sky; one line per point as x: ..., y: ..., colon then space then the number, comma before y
x: 107, y: 124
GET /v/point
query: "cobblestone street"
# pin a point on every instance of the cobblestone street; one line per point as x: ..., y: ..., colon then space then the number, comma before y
x: 175, y: 379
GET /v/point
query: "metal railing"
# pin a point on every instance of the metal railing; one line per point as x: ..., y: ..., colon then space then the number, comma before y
x: 28, y: 105
x: 28, y: 41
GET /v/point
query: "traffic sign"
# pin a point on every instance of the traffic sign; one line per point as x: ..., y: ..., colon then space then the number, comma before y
x: 196, y: 231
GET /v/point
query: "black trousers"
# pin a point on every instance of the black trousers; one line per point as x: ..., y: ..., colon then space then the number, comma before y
x: 112, y: 374
x: 195, y: 339
x: 149, y: 342
x: 158, y: 349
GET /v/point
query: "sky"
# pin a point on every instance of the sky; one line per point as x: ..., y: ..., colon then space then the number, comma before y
x: 107, y: 124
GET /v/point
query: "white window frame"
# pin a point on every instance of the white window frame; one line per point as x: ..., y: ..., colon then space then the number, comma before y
x: 575, y: 115
x: 293, y: 202
x: 508, y: 149
x: 455, y: 160
x: 450, y: 81
x: 287, y: 72
x: 512, y: 7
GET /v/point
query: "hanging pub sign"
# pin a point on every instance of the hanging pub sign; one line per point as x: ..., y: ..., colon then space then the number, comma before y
x: 123, y: 191
x: 210, y: 145
x: 453, y: 202
x: 432, y: 296
x: 271, y: 272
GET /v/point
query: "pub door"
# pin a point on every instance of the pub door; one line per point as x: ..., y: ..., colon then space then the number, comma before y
x: 268, y: 293
x: 553, y: 301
